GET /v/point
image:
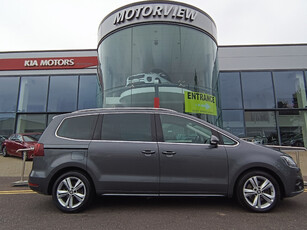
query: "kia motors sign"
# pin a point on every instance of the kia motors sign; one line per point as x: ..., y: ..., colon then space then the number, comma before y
x: 48, y: 63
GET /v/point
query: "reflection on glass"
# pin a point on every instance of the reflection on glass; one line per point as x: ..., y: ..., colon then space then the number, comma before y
x: 29, y: 123
x: 257, y: 90
x: 293, y: 129
x: 63, y: 94
x: 33, y: 94
x: 144, y: 62
x: 261, y: 127
x: 8, y: 93
x: 233, y: 122
x: 7, y: 122
x: 88, y: 92
x: 230, y: 90
x: 181, y: 130
x: 290, y: 89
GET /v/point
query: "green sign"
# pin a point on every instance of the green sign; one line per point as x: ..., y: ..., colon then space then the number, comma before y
x: 196, y: 102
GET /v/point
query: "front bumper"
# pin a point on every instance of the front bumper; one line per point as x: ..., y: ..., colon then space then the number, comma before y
x: 295, y: 183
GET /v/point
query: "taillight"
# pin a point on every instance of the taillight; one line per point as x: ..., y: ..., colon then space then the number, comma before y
x: 38, y: 150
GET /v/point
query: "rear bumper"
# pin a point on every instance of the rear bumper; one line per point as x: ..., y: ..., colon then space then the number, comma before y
x: 38, y: 184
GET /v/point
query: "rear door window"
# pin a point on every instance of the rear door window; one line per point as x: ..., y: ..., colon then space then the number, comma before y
x: 79, y: 127
x: 127, y: 127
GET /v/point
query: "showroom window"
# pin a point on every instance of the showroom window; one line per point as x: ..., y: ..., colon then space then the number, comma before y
x: 29, y: 123
x: 8, y: 93
x: 261, y: 127
x: 33, y: 94
x: 257, y: 90
x: 230, y: 90
x: 293, y: 129
x: 233, y: 122
x: 88, y: 92
x: 63, y: 94
x: 7, y: 124
x: 290, y: 89
x: 145, y: 62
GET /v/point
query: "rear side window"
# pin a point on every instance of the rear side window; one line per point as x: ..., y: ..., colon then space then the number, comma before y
x: 80, y: 127
x: 126, y: 127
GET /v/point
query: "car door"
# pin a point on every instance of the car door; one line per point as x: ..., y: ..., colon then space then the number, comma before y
x: 125, y: 159
x: 188, y: 163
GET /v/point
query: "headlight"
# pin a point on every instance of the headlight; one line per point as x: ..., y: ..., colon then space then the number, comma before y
x: 289, y: 161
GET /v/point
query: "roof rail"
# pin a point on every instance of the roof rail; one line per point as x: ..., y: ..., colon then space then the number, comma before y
x: 123, y: 108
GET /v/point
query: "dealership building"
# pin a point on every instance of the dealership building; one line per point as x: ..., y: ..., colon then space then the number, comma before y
x: 162, y: 54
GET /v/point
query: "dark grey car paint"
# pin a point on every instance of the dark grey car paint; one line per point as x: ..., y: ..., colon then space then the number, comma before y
x: 123, y: 167
x: 193, y: 169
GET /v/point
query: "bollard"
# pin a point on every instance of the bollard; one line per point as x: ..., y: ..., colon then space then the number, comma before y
x: 23, y: 182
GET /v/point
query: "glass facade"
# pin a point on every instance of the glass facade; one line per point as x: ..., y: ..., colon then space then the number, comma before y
x: 28, y: 103
x: 33, y: 94
x: 8, y: 93
x: 162, y: 61
x: 257, y: 90
x: 63, y: 93
x: 273, y: 106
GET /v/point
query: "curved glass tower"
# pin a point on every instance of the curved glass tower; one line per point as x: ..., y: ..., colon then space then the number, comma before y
x: 162, y: 54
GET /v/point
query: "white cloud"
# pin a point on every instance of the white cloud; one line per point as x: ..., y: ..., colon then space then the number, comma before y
x: 73, y: 24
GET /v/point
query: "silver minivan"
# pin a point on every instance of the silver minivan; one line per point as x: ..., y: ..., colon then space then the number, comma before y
x: 155, y: 152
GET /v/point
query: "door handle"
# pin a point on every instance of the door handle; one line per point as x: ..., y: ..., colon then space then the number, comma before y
x: 148, y: 152
x: 169, y: 153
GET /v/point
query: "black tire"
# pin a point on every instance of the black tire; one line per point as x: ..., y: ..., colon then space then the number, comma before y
x: 72, y: 192
x: 258, y: 191
x: 4, y: 152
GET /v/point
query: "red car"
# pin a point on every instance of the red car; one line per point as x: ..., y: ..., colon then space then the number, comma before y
x: 20, y: 141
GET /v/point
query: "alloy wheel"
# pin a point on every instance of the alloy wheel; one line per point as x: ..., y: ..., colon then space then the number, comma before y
x: 71, y: 192
x: 259, y: 192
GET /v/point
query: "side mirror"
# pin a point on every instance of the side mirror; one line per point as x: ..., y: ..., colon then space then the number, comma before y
x: 214, y: 141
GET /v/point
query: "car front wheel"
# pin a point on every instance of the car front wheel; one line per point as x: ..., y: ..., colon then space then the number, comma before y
x: 72, y: 192
x: 258, y: 191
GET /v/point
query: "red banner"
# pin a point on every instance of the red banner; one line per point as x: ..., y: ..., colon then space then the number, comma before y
x: 48, y: 63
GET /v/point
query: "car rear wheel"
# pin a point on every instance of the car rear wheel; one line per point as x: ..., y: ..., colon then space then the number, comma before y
x: 72, y: 192
x: 258, y: 191
x: 4, y: 152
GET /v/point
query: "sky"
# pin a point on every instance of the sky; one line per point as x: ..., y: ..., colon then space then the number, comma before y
x: 30, y: 25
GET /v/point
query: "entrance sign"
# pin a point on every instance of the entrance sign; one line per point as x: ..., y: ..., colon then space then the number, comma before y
x: 196, y: 102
